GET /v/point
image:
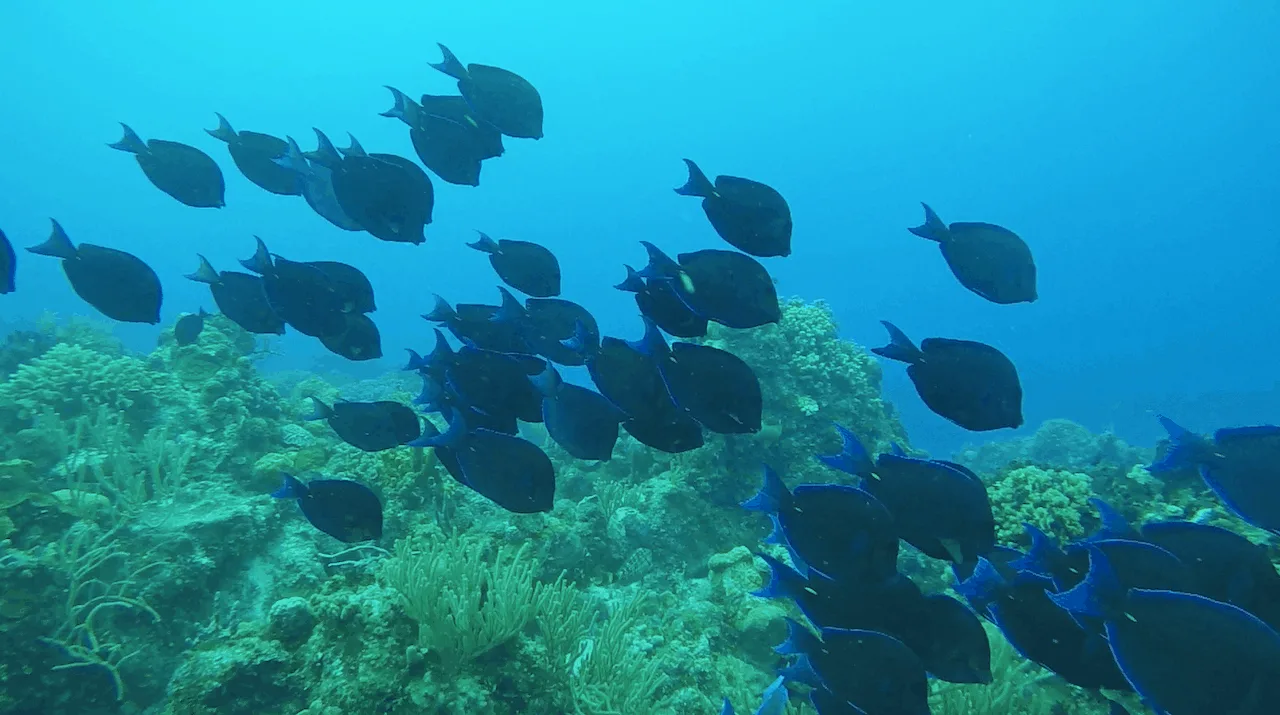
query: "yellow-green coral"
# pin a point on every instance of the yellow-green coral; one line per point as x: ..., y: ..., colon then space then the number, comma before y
x: 72, y: 381
x: 1052, y: 500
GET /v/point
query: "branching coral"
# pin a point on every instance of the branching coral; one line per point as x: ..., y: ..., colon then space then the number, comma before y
x: 1050, y: 499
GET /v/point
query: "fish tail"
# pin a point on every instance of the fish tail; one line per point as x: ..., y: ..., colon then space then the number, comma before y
x: 354, y: 148
x: 799, y: 640
x: 1114, y: 525
x: 982, y: 583
x: 577, y: 342
x: 1098, y: 594
x: 450, y: 437
x: 441, y: 353
x: 547, y: 381
x: 633, y: 282
x: 485, y: 244
x: 510, y: 310
x: 900, y: 347
x: 429, y: 398
x: 698, y: 183
x: 660, y: 266
x: 59, y: 244
x: 773, y: 495
x: 784, y: 581
x: 405, y: 109
x: 801, y: 670
x: 260, y: 262
x: 852, y: 458
x: 450, y: 64
x: 205, y: 273
x: 726, y: 708
x: 292, y: 159
x: 652, y: 344
x: 416, y: 361
x: 1041, y: 555
x: 319, y: 410
x: 441, y: 312
x: 130, y: 142
x: 1183, y: 448
x: 290, y: 488
x: 933, y: 228
x: 224, y: 130
x: 326, y: 154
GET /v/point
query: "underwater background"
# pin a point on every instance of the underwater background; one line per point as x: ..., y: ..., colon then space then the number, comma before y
x: 1134, y: 146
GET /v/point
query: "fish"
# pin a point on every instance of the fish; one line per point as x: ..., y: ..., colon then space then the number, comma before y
x: 352, y: 285
x: 725, y: 287
x: 989, y: 260
x: 893, y: 605
x: 1182, y: 653
x: 358, y: 342
x: 670, y: 432
x: 181, y: 171
x: 545, y: 324
x: 750, y: 216
x: 511, y: 472
x: 241, y: 297
x: 939, y: 507
x: 369, y: 426
x: 188, y: 328
x: 1241, y: 465
x: 951, y: 641
x: 578, y: 419
x: 446, y: 137
x: 872, y: 671
x: 714, y: 386
x: 348, y: 511
x: 496, y: 383
x: 389, y: 196
x: 835, y: 530
x: 1225, y: 566
x: 255, y: 155
x: 315, y: 182
x: 526, y: 267
x: 474, y: 324
x: 118, y: 284
x: 501, y: 98
x: 971, y: 384
x: 8, y: 265
x: 658, y: 301
x: 773, y: 703
x: 301, y: 294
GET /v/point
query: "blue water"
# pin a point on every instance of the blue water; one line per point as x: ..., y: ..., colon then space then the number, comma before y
x: 1134, y: 146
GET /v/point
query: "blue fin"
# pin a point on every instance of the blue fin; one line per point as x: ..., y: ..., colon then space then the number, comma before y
x: 325, y: 154
x: 416, y: 361
x: 578, y: 341
x: 354, y: 149
x: 511, y: 310
x: 1096, y: 594
x: 449, y: 438
x: 698, y: 184
x: 1182, y: 448
x: 58, y: 246
x: 130, y: 142
x: 485, y: 244
x: 292, y: 159
x: 900, y: 347
x: 1114, y: 525
x: 727, y: 708
x: 205, y: 273
x: 800, y: 640
x: 852, y: 457
x: 933, y: 228
x: 652, y: 344
x: 291, y: 488
x: 660, y: 265
x: 441, y: 354
x: 801, y: 671
x: 319, y: 410
x: 982, y: 583
x: 633, y: 282
x: 441, y: 312
x: 405, y: 109
x: 260, y: 262
x: 784, y: 581
x: 547, y: 381
x: 775, y: 698
x: 430, y: 397
x: 450, y: 64
x: 773, y: 495
x: 1041, y: 555
x: 224, y: 130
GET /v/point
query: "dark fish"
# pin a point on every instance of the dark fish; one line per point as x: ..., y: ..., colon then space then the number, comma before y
x: 388, y: 195
x: 240, y: 297
x: 1182, y: 653
x: 1240, y: 464
x: 892, y: 606
x: 315, y: 182
x: 581, y: 421
x: 873, y: 672
x: 181, y: 171
x: 435, y: 397
x: 987, y: 259
x: 631, y: 380
x: 658, y: 301
x: 527, y: 267
x: 301, y: 294
x: 670, y: 432
x: 255, y: 155
x: 939, y: 507
x: 474, y: 325
x: 370, y: 426
x: 1225, y: 566
x: 8, y: 264
x: 359, y: 341
x: 714, y: 386
x: 547, y: 323
x: 351, y: 284
x: 446, y: 136
x: 511, y: 472
x: 496, y: 383
x: 346, y: 510
x: 838, y: 531
x: 503, y: 99
x: 188, y: 328
x: 118, y: 284
x: 951, y: 641
x: 748, y: 215
x: 969, y: 383
x: 726, y: 287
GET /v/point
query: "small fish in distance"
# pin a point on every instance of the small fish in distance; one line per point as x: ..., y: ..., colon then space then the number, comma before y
x: 255, y: 155
x: 181, y: 171
x: 989, y: 260
x: 8, y: 265
x: 502, y: 98
x: 348, y: 511
x: 120, y: 285
x: 240, y: 297
x: 969, y: 383
x: 188, y: 328
x: 526, y: 267
x: 748, y: 215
